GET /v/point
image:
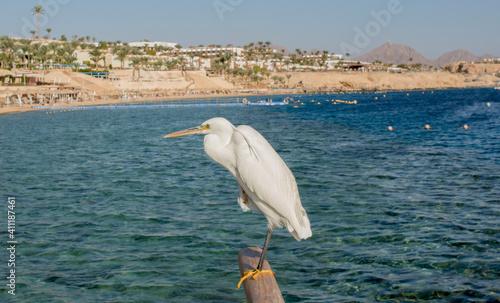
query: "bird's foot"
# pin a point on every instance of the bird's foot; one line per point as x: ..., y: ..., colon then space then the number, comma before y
x: 253, y: 273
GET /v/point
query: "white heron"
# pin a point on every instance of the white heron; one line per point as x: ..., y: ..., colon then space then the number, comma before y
x: 266, y: 184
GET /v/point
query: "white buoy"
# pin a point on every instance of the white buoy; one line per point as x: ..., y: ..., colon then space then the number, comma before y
x: 427, y: 126
x: 465, y: 126
x: 390, y: 128
x: 488, y: 104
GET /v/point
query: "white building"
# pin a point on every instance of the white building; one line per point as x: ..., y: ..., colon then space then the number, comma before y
x: 491, y: 60
x: 151, y: 44
x: 210, y: 51
x: 109, y: 59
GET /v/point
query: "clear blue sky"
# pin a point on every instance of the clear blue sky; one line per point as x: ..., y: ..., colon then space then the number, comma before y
x: 432, y: 27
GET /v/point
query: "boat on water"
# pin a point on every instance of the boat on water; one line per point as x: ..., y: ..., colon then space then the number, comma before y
x: 270, y: 102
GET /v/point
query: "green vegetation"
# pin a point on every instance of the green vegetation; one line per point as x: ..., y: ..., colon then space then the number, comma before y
x: 89, y: 70
x: 28, y: 54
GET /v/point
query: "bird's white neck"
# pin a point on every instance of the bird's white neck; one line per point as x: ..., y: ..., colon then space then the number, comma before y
x: 218, y: 149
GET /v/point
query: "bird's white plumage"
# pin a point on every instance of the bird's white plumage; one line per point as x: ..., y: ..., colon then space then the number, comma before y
x: 266, y: 184
x: 264, y: 179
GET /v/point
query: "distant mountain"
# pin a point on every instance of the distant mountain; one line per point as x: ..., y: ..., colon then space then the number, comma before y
x: 396, y: 53
x: 279, y: 48
x: 401, y: 54
x: 455, y: 56
x: 487, y: 56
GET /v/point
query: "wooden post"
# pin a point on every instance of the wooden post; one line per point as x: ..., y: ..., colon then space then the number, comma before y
x: 264, y: 288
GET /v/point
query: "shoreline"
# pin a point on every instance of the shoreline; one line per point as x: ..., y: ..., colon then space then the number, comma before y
x: 28, y: 107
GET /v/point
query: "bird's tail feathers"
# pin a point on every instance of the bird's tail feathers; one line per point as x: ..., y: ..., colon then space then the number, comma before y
x: 301, y: 230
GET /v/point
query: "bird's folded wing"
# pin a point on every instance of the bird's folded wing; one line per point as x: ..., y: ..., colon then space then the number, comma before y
x: 266, y: 177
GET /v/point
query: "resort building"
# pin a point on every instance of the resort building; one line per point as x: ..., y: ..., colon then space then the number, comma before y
x: 491, y: 60
x: 151, y: 44
x: 210, y: 51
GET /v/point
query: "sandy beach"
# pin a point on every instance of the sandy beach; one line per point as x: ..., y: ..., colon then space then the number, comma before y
x: 173, y: 85
x: 28, y: 107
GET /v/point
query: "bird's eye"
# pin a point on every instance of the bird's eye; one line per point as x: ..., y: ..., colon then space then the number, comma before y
x: 206, y: 126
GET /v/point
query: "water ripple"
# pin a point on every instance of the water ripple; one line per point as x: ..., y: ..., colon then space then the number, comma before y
x: 109, y: 211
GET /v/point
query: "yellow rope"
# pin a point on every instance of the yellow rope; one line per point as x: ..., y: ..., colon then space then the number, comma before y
x: 253, y: 273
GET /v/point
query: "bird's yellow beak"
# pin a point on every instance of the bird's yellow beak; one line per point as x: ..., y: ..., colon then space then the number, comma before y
x: 189, y: 131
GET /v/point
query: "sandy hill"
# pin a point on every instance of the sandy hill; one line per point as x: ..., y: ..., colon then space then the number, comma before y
x: 149, y: 80
x: 201, y: 81
x: 384, y: 80
x: 69, y: 78
x: 167, y: 80
x: 473, y: 68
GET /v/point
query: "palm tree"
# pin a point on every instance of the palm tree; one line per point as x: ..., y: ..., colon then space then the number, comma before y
x: 69, y: 48
x: 191, y: 55
x: 182, y: 65
x: 48, y: 31
x: 122, y: 53
x: 287, y: 62
x: 38, y: 11
x: 145, y: 63
x: 60, y: 52
x: 102, y: 45
x: 171, y: 63
x: 53, y: 46
x: 158, y: 64
x: 96, y: 56
x: 178, y: 46
x: 31, y: 49
x: 218, y: 67
x: 41, y: 55
x: 25, y: 47
x: 18, y: 53
x: 135, y: 63
x: 225, y: 61
x: 8, y: 46
x: 70, y: 60
x: 33, y: 33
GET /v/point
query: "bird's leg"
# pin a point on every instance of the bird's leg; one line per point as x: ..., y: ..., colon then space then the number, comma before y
x: 270, y: 229
x: 255, y: 272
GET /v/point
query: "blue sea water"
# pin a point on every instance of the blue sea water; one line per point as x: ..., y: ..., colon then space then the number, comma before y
x: 109, y: 211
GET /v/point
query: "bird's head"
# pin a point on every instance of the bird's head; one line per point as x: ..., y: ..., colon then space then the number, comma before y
x: 212, y: 126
